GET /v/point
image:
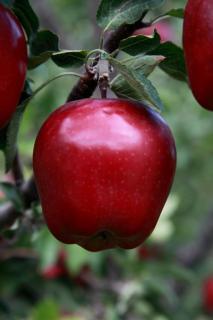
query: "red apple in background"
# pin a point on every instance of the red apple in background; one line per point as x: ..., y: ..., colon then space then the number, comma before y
x: 103, y: 169
x: 13, y: 63
x: 164, y: 29
x: 208, y: 294
x: 149, y: 252
x: 58, y: 269
x: 198, y: 48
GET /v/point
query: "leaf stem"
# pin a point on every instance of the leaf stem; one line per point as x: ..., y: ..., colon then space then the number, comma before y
x: 46, y: 83
x: 61, y: 75
x: 101, y: 43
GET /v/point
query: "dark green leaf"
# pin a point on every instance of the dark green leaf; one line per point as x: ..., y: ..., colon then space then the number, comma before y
x: 12, y: 194
x: 139, y: 44
x: 43, y: 45
x: 174, y: 64
x: 70, y: 58
x: 27, y: 17
x: 3, y: 137
x: 12, y: 134
x: 44, y: 41
x: 143, y: 88
x: 113, y: 13
x: 8, y: 135
x: 8, y: 3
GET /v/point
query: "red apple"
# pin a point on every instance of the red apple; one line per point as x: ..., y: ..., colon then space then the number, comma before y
x: 13, y: 63
x: 208, y: 295
x: 198, y: 48
x: 163, y: 28
x: 103, y: 169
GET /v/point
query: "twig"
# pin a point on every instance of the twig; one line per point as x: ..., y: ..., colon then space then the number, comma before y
x: 17, y: 170
x: 9, y: 214
x: 87, y: 84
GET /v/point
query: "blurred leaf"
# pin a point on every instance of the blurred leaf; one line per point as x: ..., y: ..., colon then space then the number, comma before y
x: 111, y: 313
x: 77, y: 258
x: 7, y: 2
x: 70, y: 58
x: 12, y: 194
x: 72, y: 318
x: 42, y: 47
x: 46, y: 310
x: 144, y: 90
x: 181, y: 273
x: 140, y: 44
x: 48, y: 248
x: 27, y: 17
x: 113, y: 13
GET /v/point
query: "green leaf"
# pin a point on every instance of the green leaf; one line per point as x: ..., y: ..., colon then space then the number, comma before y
x: 12, y: 194
x: 47, y: 247
x: 143, y: 64
x: 46, y: 309
x: 140, y: 44
x: 70, y: 58
x: 36, y: 61
x: 44, y: 44
x: 113, y: 13
x: 174, y: 64
x: 27, y: 17
x: 77, y: 258
x: 176, y: 13
x: 143, y: 87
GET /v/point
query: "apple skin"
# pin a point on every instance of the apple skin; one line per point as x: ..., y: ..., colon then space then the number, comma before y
x: 103, y: 169
x: 208, y: 295
x: 198, y: 48
x: 13, y: 63
x: 163, y: 28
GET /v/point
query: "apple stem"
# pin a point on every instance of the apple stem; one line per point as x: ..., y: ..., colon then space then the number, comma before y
x: 103, y: 77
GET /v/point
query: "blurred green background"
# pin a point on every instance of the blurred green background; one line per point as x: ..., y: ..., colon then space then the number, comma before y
x: 43, y: 279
